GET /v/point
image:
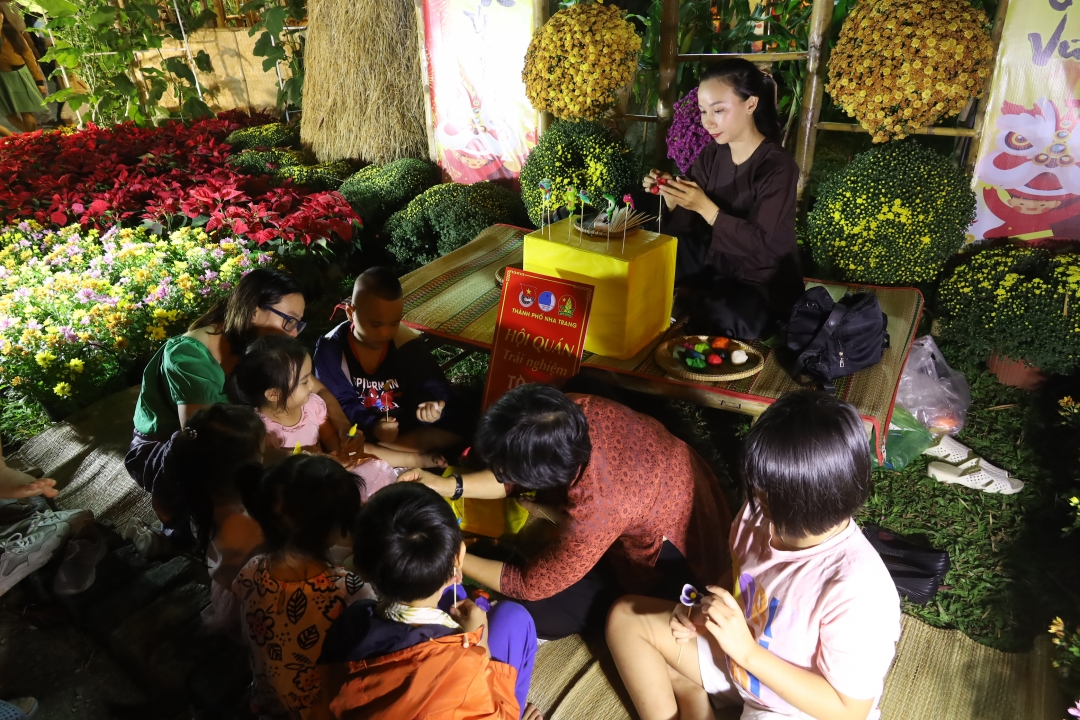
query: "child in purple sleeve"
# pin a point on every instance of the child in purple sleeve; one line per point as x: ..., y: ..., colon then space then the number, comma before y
x: 385, y: 380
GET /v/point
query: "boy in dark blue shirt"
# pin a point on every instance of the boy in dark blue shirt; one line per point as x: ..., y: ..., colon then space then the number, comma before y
x: 382, y: 375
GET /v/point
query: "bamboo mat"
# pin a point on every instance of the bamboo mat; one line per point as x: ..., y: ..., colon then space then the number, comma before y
x: 456, y: 297
x: 937, y: 675
x: 85, y: 455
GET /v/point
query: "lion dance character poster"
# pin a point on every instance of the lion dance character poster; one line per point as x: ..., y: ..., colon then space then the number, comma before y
x: 481, y: 125
x: 1027, y: 182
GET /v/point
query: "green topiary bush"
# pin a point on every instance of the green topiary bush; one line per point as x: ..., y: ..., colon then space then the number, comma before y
x: 265, y: 136
x: 447, y: 216
x: 581, y: 155
x: 893, y: 216
x: 324, y: 176
x: 266, y: 162
x: 1018, y: 302
x: 378, y: 191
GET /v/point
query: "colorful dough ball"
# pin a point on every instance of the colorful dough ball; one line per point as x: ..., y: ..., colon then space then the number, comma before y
x: 702, y: 347
x: 715, y: 359
x: 678, y: 352
x: 721, y: 343
x: 738, y: 357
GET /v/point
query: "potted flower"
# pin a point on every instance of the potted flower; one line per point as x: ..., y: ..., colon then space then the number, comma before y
x: 1018, y: 308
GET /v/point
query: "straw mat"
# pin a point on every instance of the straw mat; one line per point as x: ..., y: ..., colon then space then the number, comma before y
x: 85, y: 455
x: 937, y: 675
x: 456, y: 297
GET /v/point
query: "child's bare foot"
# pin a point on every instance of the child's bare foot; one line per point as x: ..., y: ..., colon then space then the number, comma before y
x: 531, y: 713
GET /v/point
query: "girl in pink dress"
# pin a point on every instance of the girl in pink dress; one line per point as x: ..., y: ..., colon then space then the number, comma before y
x: 275, y: 377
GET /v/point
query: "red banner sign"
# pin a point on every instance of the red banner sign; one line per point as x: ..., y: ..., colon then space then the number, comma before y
x: 539, y: 334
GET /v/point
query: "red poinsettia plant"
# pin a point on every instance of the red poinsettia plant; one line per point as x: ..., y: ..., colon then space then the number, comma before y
x: 163, y: 178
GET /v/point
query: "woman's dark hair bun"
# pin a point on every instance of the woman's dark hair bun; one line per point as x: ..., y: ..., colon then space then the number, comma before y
x: 747, y: 81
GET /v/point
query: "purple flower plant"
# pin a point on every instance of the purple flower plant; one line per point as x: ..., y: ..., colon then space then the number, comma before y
x: 690, y: 596
x: 686, y: 138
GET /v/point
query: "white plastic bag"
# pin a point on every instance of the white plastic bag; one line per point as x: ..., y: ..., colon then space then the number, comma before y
x: 933, y: 392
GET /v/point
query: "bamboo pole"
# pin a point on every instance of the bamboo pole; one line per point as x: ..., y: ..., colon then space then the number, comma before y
x: 669, y: 60
x: 962, y: 132
x: 980, y: 116
x: 219, y: 11
x: 756, y: 57
x: 187, y: 48
x: 817, y: 45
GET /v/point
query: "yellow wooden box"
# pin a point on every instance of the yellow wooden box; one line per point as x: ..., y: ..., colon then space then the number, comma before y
x: 633, y: 288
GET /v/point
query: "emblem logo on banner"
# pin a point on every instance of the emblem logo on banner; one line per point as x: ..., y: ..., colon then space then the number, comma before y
x: 531, y: 343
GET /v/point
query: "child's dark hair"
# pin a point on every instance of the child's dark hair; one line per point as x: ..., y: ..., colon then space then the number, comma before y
x: 379, y: 281
x: 535, y: 437
x: 808, y: 455
x: 273, y: 362
x: 406, y: 541
x: 205, y: 457
x: 747, y: 81
x: 300, y: 501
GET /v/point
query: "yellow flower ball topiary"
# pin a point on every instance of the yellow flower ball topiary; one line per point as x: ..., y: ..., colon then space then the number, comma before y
x: 579, y: 60
x: 904, y: 64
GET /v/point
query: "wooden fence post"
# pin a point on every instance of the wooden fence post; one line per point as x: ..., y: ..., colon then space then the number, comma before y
x: 669, y: 62
x: 817, y: 45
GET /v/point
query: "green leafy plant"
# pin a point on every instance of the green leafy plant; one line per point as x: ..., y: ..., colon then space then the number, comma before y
x: 893, y: 216
x: 447, y: 216
x: 1022, y: 303
x: 580, y: 155
x: 376, y: 192
x: 278, y: 43
x: 102, y: 42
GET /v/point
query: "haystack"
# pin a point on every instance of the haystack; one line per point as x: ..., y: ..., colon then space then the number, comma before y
x: 363, y: 93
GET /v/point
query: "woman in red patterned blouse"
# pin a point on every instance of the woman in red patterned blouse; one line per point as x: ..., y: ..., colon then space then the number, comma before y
x: 633, y: 495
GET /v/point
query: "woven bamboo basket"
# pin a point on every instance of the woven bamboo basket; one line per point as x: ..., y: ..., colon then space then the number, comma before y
x: 755, y: 361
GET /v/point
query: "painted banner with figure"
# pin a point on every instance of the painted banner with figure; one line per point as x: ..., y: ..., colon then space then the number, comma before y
x: 1026, y: 180
x: 481, y: 125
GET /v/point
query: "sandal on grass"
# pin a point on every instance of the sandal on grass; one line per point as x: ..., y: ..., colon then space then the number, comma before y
x: 956, y: 453
x: 976, y: 477
x: 18, y: 708
x: 981, y: 462
x: 950, y: 450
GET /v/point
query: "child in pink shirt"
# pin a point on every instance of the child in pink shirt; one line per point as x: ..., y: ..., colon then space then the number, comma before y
x: 275, y: 377
x: 810, y: 625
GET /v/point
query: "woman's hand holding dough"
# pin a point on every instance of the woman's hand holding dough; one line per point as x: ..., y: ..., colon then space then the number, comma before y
x: 688, y: 194
x: 656, y: 180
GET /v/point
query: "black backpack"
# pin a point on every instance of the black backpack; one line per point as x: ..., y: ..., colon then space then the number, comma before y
x: 827, y: 340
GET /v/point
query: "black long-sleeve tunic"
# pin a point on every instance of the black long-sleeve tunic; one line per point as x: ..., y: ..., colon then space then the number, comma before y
x: 753, y: 237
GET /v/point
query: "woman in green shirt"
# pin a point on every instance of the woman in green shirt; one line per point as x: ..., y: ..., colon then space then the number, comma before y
x: 189, y: 372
